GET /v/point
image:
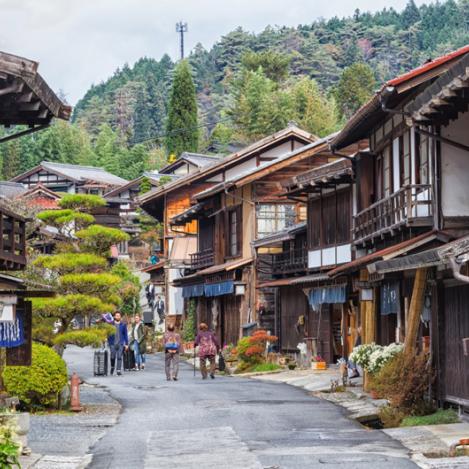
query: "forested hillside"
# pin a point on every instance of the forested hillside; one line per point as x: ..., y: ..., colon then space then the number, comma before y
x: 248, y: 85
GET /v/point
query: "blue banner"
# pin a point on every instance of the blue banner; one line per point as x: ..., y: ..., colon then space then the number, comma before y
x: 390, y: 298
x: 190, y: 291
x: 12, y: 333
x: 327, y: 295
x: 218, y: 289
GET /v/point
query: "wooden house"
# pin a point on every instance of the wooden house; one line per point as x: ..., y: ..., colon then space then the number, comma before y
x: 70, y: 178
x: 175, y: 198
x: 25, y: 99
x: 225, y: 278
x: 188, y: 163
x: 412, y: 201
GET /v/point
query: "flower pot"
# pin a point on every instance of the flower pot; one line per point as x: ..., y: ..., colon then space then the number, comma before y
x: 319, y: 365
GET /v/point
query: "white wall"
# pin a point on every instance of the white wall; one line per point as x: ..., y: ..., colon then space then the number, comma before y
x: 174, y: 299
x: 277, y: 151
x: 331, y: 256
x: 455, y: 169
x: 240, y: 168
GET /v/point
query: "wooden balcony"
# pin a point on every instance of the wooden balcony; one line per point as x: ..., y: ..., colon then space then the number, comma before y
x: 12, y: 240
x: 412, y: 205
x: 202, y: 259
x: 290, y: 262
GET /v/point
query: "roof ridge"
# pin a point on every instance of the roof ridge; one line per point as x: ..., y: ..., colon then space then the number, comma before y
x: 71, y: 165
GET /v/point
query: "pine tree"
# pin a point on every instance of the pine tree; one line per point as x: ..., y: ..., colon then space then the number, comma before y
x: 355, y: 87
x: 181, y: 128
x: 108, y: 151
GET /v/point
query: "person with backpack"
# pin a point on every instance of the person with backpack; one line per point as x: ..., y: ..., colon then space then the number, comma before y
x: 172, y: 348
x: 208, y: 348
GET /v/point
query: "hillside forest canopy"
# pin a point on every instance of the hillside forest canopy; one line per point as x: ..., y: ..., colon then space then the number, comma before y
x: 245, y: 87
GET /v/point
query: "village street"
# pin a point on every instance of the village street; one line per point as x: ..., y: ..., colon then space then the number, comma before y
x: 230, y: 423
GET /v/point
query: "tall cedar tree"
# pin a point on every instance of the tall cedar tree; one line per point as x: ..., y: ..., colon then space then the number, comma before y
x: 355, y: 87
x: 181, y: 128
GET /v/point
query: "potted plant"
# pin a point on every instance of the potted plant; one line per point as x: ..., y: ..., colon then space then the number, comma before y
x: 318, y: 363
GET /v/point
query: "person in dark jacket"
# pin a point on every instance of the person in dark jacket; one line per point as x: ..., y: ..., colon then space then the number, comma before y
x: 208, y: 348
x: 117, y: 343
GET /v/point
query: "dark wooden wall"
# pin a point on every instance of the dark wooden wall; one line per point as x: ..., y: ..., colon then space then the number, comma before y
x: 293, y: 303
x: 455, y: 365
x: 206, y: 231
x: 330, y: 219
x: 230, y: 319
x: 324, y: 339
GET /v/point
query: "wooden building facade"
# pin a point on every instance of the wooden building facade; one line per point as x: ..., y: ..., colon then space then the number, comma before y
x: 412, y: 210
x: 27, y: 100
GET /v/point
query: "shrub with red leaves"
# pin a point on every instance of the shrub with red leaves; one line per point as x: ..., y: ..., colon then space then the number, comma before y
x: 252, y: 349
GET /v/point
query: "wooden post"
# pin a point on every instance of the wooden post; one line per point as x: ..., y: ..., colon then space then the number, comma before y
x: 415, y: 309
x: 368, y: 309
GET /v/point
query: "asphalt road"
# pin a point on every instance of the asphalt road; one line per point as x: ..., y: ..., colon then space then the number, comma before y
x: 232, y: 423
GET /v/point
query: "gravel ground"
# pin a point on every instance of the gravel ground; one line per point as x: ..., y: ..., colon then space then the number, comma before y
x: 68, y: 434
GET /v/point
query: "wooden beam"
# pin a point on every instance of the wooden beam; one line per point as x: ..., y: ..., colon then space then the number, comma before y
x: 25, y: 98
x: 415, y: 310
x: 16, y: 87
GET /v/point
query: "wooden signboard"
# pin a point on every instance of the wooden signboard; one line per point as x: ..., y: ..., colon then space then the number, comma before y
x: 21, y: 356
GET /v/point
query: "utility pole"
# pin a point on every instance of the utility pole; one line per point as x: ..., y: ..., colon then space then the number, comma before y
x: 181, y: 28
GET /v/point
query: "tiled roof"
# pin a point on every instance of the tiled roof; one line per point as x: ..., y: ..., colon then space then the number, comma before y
x: 84, y: 173
x: 10, y: 190
x: 219, y: 164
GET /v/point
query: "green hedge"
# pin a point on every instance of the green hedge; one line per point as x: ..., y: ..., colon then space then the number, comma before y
x: 38, y: 385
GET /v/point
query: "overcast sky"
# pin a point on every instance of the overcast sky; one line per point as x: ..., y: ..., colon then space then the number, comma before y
x: 81, y: 42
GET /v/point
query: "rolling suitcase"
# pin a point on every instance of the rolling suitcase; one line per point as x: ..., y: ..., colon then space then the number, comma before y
x: 101, y: 360
x: 129, y: 360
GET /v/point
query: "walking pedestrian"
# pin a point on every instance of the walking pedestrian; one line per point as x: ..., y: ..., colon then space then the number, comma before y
x: 208, y: 348
x: 117, y: 343
x: 138, y: 342
x: 172, y: 348
x: 160, y: 308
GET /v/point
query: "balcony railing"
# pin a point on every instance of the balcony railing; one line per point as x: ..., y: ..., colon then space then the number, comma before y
x: 202, y: 259
x: 12, y: 241
x: 295, y: 260
x: 412, y: 205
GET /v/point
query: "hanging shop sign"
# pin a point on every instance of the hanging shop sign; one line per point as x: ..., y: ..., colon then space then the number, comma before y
x: 8, y: 308
x: 390, y: 298
x: 12, y: 332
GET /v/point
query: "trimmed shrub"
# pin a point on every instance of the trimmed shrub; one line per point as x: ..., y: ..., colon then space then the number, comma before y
x: 404, y: 381
x: 251, y: 350
x: 38, y: 385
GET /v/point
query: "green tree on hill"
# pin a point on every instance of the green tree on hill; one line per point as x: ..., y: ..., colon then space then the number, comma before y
x: 356, y: 86
x: 181, y: 128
